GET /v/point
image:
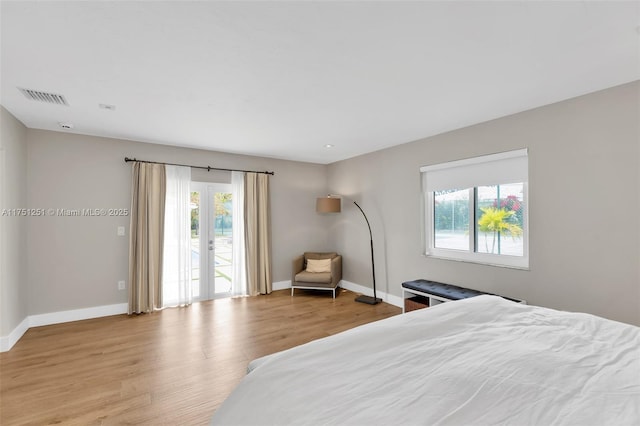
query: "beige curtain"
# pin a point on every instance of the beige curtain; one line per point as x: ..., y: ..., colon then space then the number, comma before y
x: 257, y: 233
x: 146, y: 237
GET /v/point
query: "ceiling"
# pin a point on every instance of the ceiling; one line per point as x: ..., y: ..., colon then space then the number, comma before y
x: 284, y: 79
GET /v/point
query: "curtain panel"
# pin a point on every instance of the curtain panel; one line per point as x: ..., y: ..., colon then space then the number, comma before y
x: 176, y: 274
x: 146, y: 237
x: 258, y: 233
x: 239, y: 272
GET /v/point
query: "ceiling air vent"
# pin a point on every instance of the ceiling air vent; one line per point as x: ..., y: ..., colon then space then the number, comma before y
x: 50, y: 98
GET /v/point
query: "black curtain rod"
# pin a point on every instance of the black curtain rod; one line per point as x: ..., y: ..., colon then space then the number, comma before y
x: 207, y: 168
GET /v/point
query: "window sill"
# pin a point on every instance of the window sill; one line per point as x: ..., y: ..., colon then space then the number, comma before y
x: 478, y: 262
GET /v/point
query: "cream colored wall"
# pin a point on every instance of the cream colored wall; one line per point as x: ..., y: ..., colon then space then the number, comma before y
x: 75, y: 262
x: 584, y: 164
x: 13, y: 229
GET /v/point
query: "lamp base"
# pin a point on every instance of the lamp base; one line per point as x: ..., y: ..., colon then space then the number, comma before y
x: 368, y: 300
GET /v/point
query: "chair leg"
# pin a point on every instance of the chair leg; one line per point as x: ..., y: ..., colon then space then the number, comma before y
x: 292, y: 291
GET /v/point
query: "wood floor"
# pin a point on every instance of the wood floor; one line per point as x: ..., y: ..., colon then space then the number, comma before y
x: 173, y: 367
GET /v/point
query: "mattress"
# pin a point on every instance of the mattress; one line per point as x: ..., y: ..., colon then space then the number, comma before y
x: 477, y: 361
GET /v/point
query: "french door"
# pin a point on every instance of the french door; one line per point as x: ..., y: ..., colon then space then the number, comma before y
x: 211, y: 240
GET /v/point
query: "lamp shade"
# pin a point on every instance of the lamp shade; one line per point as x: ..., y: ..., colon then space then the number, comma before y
x: 328, y: 205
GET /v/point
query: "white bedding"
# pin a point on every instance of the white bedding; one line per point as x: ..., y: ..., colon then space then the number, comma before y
x: 478, y: 361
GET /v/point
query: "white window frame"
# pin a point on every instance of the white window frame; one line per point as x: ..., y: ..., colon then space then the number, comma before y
x: 494, y: 169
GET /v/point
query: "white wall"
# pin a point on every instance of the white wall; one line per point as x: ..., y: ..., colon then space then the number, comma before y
x: 13, y: 229
x: 75, y: 262
x: 584, y: 184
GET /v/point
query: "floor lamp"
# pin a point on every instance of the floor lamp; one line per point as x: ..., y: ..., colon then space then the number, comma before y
x: 331, y: 204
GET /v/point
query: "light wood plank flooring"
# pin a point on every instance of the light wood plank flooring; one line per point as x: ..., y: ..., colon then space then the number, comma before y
x: 173, y: 367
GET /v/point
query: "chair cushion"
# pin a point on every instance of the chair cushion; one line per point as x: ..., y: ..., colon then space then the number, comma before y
x: 313, y: 277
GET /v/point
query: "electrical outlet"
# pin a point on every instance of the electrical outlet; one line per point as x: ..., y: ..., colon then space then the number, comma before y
x: 121, y: 231
x: 121, y: 285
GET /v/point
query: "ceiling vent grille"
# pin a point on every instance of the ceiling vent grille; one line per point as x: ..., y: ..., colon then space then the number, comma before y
x: 50, y: 98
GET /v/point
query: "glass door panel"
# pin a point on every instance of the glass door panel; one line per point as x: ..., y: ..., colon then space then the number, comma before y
x: 220, y: 237
x: 195, y: 241
x: 211, y: 240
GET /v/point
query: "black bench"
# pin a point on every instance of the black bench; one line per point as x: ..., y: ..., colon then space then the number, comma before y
x: 445, y: 292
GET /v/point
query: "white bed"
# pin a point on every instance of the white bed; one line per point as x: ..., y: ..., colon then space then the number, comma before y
x: 479, y: 361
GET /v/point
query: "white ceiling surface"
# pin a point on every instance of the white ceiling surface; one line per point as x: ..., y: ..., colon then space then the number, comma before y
x: 282, y: 79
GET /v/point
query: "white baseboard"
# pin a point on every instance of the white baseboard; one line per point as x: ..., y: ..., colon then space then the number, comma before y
x: 357, y: 288
x: 281, y: 285
x: 77, y: 314
x: 7, y: 342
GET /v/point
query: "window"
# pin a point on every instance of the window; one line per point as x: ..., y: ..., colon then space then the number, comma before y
x: 476, y: 209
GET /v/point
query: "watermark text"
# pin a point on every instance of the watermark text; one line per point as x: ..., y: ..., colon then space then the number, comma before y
x: 62, y: 212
